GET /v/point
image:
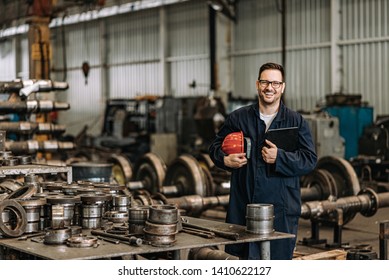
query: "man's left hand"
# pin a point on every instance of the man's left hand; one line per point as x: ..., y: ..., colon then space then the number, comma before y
x: 269, y: 152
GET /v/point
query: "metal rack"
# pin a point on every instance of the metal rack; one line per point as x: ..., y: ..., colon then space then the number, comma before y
x: 36, y: 169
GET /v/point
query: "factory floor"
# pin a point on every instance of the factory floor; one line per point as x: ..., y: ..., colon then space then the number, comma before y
x: 360, y: 233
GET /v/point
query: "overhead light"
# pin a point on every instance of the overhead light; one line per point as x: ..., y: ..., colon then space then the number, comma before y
x: 215, y: 5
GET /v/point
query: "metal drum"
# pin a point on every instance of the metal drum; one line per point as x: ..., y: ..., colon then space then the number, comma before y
x: 163, y: 214
x: 259, y: 218
x: 92, y: 171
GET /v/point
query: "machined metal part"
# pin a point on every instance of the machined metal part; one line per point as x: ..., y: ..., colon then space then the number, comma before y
x: 93, y: 199
x: 33, y: 207
x: 344, y: 174
x: 209, y: 253
x: 33, y: 146
x: 132, y: 240
x: 138, y: 214
x: 82, y: 241
x: 10, y: 185
x: 186, y: 174
x: 31, y: 128
x: 163, y: 214
x: 24, y: 192
x: 366, y: 203
x: 57, y: 236
x: 224, y: 234
x: 318, y: 185
x: 32, y: 106
x: 160, y: 229
x: 160, y: 240
x: 195, y: 204
x: 333, y: 178
x: 17, y: 223
x: 109, y: 188
x: 121, y: 169
x: 24, y: 159
x: 151, y: 171
x: 198, y: 232
x: 121, y: 202
x: 259, y: 218
x: 116, y: 216
x: 28, y: 86
x: 62, y: 210
x: 110, y: 240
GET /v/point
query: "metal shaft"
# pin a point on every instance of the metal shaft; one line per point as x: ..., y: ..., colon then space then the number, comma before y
x: 32, y: 146
x: 32, y: 106
x: 30, y: 127
x: 366, y: 203
x: 26, y: 87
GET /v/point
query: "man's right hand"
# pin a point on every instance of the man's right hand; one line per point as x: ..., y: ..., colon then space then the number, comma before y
x: 235, y: 160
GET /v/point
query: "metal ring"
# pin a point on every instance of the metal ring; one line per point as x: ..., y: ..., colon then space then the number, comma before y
x: 21, y: 218
x: 82, y: 241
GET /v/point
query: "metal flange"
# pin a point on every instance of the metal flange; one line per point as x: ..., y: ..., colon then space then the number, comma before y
x: 373, y: 202
x: 20, y: 220
x: 187, y: 175
x: 121, y: 169
x: 347, y: 182
x: 150, y: 170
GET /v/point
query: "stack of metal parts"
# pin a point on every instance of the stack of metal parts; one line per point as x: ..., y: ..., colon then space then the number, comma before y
x: 161, y: 226
x: 16, y: 115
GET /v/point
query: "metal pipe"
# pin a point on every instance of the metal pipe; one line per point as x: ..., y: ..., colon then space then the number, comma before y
x: 384, y: 236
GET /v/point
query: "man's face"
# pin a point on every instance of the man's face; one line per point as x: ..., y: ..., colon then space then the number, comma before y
x: 270, y: 93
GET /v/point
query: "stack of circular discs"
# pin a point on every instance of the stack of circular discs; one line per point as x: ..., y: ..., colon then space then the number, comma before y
x: 161, y: 227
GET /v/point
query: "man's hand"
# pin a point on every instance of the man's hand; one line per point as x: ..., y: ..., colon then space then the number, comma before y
x: 269, y: 152
x: 235, y: 160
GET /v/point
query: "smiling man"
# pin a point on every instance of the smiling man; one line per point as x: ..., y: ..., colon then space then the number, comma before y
x: 251, y: 180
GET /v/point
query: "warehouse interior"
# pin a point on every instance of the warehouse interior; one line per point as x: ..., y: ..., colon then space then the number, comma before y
x: 108, y: 108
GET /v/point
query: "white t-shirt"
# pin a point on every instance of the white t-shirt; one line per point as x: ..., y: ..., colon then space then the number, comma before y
x: 267, y: 119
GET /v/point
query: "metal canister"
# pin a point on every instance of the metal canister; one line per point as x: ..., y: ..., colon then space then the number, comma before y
x: 259, y: 218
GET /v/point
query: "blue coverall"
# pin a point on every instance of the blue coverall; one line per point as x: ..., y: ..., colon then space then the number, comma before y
x: 252, y: 183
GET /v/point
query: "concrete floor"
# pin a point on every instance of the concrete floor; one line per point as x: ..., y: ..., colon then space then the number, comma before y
x: 360, y: 232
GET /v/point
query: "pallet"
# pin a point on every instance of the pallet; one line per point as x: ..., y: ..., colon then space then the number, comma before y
x: 328, y: 255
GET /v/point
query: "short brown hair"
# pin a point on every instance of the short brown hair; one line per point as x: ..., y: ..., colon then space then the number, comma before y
x: 271, y: 65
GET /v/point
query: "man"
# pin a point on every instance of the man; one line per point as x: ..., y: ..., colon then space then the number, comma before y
x: 251, y: 180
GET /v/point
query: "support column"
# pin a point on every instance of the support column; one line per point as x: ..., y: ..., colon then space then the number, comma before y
x: 336, y: 63
x: 39, y: 47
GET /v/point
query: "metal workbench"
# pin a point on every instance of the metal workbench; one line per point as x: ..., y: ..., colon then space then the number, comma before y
x: 108, y: 250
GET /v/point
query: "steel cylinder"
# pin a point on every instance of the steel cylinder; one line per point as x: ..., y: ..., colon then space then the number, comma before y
x: 259, y: 218
x: 120, y: 203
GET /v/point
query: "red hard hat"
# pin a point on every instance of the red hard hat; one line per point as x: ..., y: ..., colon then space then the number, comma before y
x: 233, y: 143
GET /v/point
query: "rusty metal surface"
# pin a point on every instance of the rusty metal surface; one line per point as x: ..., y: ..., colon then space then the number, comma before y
x: 109, y: 250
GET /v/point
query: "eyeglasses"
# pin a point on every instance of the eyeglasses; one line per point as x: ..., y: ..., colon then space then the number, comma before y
x: 274, y: 84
